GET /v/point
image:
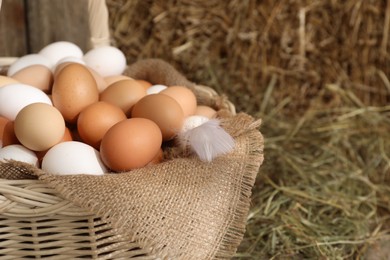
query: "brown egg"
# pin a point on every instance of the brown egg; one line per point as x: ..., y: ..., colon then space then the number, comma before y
x: 205, y: 111
x: 9, y: 136
x: 39, y: 126
x: 95, y: 120
x: 144, y: 83
x: 74, y: 89
x: 38, y: 76
x: 124, y: 94
x: 100, y: 82
x: 130, y: 144
x: 112, y: 79
x: 163, y: 110
x: 4, y: 80
x: 157, y: 158
x: 3, y: 122
x: 184, y: 96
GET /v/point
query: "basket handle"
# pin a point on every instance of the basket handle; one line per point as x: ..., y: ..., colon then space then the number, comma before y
x: 98, y: 23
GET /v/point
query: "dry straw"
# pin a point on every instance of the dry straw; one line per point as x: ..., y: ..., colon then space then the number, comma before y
x: 317, y: 72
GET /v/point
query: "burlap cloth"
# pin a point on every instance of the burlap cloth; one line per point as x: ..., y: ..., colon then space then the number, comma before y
x: 179, y: 209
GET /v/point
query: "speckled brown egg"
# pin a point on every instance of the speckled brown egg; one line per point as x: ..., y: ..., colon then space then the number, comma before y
x: 74, y: 89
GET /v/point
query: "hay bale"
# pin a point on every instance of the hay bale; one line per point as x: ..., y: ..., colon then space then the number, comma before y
x: 240, y: 47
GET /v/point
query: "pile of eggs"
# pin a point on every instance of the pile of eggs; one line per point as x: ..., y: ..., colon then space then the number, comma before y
x: 73, y: 113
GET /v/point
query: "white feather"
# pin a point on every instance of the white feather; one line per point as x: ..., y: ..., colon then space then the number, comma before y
x: 208, y: 140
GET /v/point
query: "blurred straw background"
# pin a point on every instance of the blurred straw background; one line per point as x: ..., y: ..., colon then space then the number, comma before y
x: 317, y: 73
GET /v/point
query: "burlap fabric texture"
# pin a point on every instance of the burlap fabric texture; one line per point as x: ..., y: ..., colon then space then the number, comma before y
x: 182, y: 208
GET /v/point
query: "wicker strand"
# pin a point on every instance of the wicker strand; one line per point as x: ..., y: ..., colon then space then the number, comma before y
x: 98, y: 23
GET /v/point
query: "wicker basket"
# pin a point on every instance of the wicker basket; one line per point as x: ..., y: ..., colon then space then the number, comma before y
x: 37, y: 223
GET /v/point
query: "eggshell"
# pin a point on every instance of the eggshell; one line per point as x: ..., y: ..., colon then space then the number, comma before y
x: 100, y: 82
x: 130, y: 144
x: 38, y: 76
x: 73, y: 157
x: 163, y: 110
x: 155, y: 89
x: 4, y: 80
x: 14, y: 97
x: 144, y: 83
x: 95, y: 120
x: 192, y: 122
x: 9, y: 136
x: 39, y: 126
x: 18, y: 152
x: 124, y: 94
x: 112, y: 79
x: 26, y: 61
x: 205, y: 111
x: 56, y: 51
x: 158, y: 158
x: 73, y: 90
x: 3, y: 122
x: 106, y: 60
x: 184, y: 96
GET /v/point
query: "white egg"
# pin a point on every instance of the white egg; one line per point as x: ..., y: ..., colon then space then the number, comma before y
x: 193, y: 121
x: 18, y: 152
x: 155, y: 89
x: 106, y: 60
x: 58, y: 50
x: 26, y: 61
x: 14, y: 97
x: 73, y: 157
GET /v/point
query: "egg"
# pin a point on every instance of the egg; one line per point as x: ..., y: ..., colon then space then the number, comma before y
x: 184, y: 96
x: 39, y: 126
x: 14, y: 97
x: 73, y: 157
x: 38, y: 76
x: 106, y: 60
x: 124, y: 94
x: 163, y: 110
x: 192, y: 122
x: 144, y: 83
x: 158, y: 158
x: 73, y: 90
x: 3, y: 122
x: 18, y: 152
x: 9, y: 136
x: 130, y: 144
x: 155, y: 89
x: 56, y: 51
x: 112, y: 79
x: 100, y: 82
x: 4, y: 80
x: 95, y: 120
x: 26, y: 61
x: 206, y: 111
